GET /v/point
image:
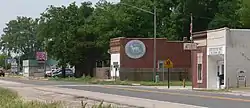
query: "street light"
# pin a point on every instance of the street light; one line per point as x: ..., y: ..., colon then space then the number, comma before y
x: 153, y: 13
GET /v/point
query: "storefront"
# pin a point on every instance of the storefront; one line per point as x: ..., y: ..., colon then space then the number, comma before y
x: 221, y: 56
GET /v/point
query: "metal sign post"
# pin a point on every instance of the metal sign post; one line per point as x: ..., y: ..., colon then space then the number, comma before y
x: 168, y: 78
x: 163, y: 75
x: 168, y: 64
x: 115, y: 73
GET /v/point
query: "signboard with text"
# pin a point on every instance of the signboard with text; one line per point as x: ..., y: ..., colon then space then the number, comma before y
x: 216, y: 51
x: 241, y: 78
x: 241, y: 75
x: 189, y: 46
x: 41, y: 56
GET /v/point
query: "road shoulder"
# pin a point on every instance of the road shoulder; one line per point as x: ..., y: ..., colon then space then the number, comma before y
x: 115, y: 99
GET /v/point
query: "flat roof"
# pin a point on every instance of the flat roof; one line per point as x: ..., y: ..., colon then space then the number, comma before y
x: 137, y: 38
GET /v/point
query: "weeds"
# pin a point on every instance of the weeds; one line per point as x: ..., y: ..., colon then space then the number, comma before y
x: 89, y: 80
x: 10, y: 99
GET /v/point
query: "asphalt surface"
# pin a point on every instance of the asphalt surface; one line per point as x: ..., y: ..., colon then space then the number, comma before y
x: 205, y: 99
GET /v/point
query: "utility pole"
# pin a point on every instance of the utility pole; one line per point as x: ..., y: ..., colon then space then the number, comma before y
x: 155, y: 24
x: 155, y: 32
x: 191, y: 39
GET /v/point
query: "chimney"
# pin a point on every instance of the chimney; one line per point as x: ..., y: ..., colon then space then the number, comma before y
x: 185, y: 39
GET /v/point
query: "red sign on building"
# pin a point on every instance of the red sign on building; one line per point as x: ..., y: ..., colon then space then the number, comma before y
x: 41, y: 56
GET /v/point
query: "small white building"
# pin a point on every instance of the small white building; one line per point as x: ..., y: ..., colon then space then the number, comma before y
x: 221, y: 53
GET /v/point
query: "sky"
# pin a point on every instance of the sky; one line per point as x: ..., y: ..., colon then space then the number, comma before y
x: 10, y: 9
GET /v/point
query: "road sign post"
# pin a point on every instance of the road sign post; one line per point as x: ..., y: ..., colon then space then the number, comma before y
x: 163, y: 79
x: 168, y: 64
x: 191, y: 46
x: 168, y: 78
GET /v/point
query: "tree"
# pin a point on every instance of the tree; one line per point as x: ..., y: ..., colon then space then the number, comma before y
x: 20, y: 37
x: 59, y: 27
x: 244, y: 13
x: 3, y: 62
x: 207, y: 14
x: 228, y: 15
x: 202, y: 12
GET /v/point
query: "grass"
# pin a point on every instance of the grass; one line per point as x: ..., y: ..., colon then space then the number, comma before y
x: 10, y: 99
x: 241, y: 88
x: 89, y: 80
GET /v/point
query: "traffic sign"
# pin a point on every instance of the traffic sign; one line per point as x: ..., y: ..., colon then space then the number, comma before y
x: 168, y: 64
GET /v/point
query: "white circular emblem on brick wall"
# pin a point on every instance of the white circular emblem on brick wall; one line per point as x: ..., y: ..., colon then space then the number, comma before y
x: 135, y: 49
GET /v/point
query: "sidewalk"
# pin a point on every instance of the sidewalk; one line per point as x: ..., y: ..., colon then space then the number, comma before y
x: 171, y: 87
x: 150, y: 87
x: 240, y: 91
x: 232, y: 91
x: 115, y: 99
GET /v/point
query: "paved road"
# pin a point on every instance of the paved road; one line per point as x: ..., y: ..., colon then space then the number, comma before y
x: 210, y: 100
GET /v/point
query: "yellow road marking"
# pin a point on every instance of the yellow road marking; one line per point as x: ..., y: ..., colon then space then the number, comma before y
x: 180, y: 94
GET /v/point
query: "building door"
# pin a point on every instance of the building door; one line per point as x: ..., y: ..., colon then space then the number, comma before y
x: 220, y: 73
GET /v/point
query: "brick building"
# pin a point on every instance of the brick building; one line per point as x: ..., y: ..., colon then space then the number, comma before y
x: 135, y: 58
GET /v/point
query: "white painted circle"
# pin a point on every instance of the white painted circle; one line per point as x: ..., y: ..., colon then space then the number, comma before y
x: 135, y: 49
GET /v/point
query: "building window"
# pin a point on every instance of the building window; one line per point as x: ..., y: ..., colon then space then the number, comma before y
x: 199, y: 72
x: 199, y: 67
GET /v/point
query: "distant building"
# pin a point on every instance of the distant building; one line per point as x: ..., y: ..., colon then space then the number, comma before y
x: 34, y: 68
x: 135, y: 58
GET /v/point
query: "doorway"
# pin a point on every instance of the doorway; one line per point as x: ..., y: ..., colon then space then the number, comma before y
x: 220, y: 74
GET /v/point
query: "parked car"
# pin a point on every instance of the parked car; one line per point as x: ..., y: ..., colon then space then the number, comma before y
x: 58, y: 73
x: 50, y: 72
x: 2, y: 73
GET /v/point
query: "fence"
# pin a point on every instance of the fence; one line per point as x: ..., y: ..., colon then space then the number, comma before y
x: 102, y: 72
x: 146, y: 74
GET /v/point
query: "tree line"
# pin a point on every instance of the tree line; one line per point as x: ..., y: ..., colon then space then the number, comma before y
x: 79, y: 34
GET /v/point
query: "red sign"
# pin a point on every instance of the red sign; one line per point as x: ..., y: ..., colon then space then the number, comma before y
x: 41, y: 56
